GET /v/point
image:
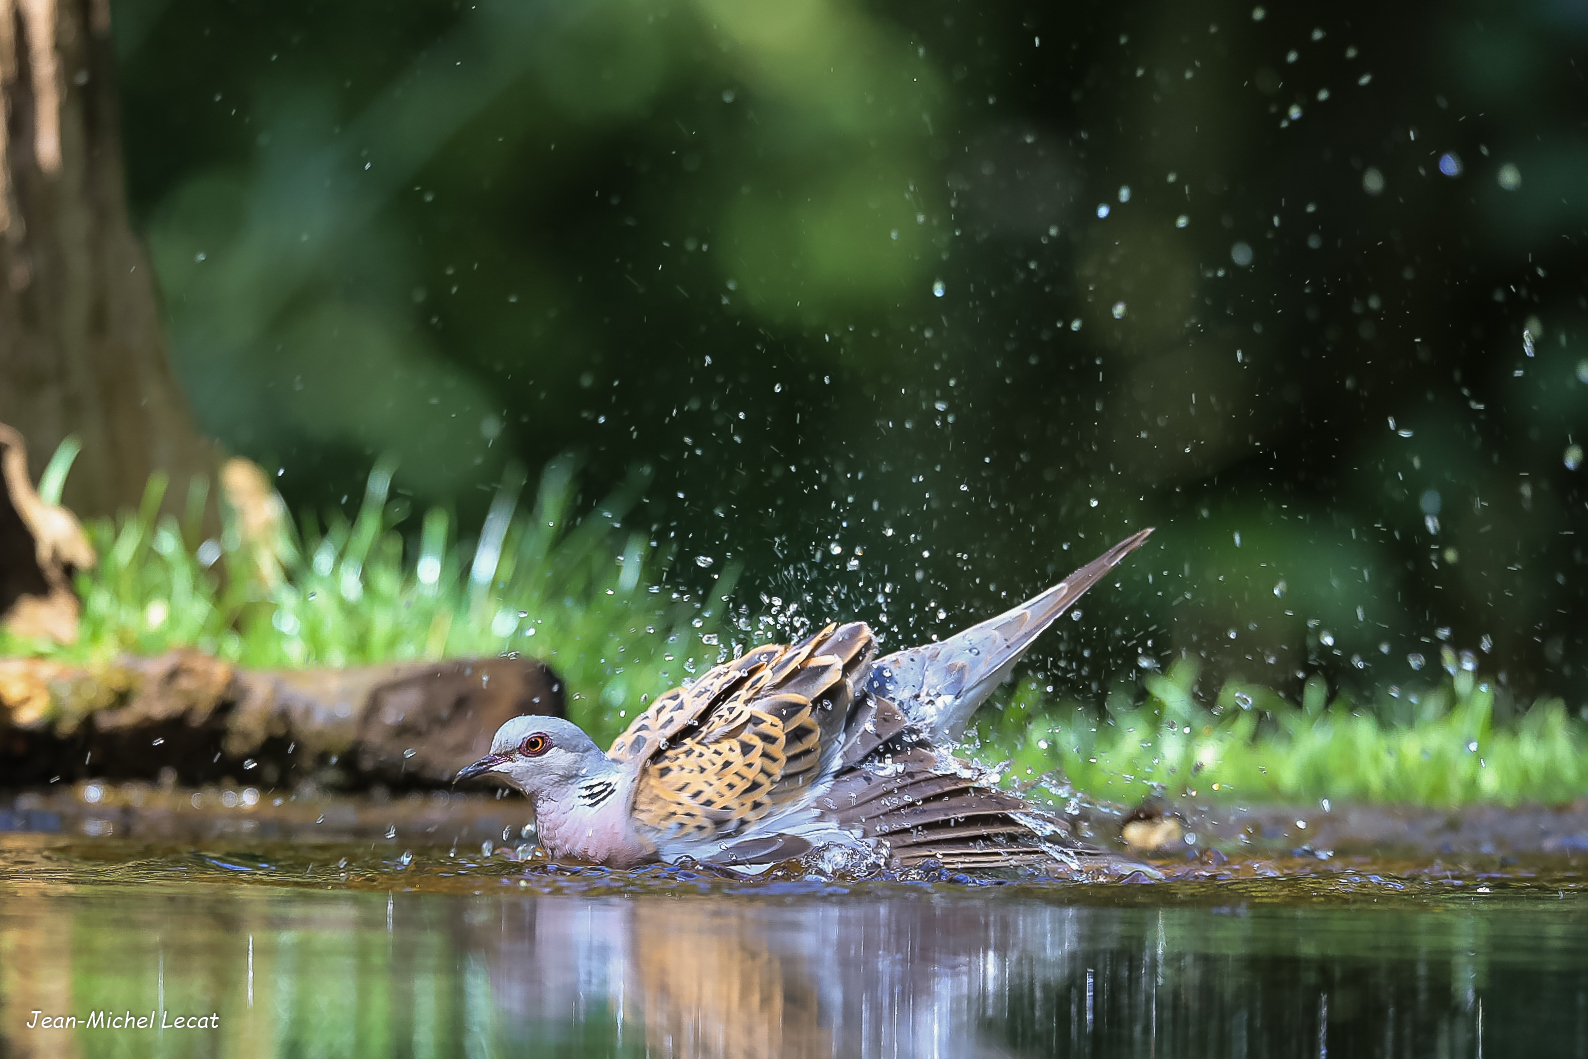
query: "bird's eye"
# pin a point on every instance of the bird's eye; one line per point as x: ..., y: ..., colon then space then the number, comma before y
x: 534, y: 746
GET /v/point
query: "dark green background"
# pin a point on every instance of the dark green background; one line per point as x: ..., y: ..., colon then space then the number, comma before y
x: 703, y: 238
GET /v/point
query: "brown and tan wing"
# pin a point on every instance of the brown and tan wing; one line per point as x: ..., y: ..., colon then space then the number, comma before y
x: 680, y: 708
x: 774, y: 718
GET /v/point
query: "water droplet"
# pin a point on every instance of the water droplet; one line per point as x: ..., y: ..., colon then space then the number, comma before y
x: 1094, y: 501
x: 1573, y: 457
x: 1119, y: 310
x: 1243, y: 700
x: 1102, y: 209
x: 1124, y: 193
x: 1373, y: 182
x: 836, y: 548
x: 1527, y: 341
x: 1415, y: 660
x: 1327, y: 639
x: 704, y: 560
x: 1295, y: 112
x: 1450, y: 164
x: 1510, y: 177
x: 1181, y: 221
x: 1237, y: 538
x: 1241, y: 254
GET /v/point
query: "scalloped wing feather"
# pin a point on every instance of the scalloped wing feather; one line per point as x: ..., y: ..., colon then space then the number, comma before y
x: 760, y: 744
x: 676, y: 710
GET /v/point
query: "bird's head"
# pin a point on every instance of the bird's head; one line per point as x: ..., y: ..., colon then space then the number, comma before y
x: 539, y: 755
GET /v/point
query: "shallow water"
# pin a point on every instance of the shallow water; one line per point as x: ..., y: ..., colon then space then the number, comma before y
x: 343, y: 949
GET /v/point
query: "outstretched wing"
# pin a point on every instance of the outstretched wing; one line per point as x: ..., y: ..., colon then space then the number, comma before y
x: 939, y: 685
x: 750, y: 737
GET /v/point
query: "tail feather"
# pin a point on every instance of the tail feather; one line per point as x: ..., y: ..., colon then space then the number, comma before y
x: 939, y: 685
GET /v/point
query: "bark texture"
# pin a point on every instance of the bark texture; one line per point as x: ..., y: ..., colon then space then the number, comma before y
x: 198, y: 719
x: 82, y: 348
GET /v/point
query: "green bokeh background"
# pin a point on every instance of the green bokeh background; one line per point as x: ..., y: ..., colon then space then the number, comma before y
x: 839, y: 276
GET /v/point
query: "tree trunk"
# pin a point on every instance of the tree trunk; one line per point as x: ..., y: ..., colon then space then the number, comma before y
x: 82, y: 348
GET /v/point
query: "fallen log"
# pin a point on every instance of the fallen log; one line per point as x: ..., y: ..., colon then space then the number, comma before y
x: 189, y: 718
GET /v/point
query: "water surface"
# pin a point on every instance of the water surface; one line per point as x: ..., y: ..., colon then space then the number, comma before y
x: 349, y: 949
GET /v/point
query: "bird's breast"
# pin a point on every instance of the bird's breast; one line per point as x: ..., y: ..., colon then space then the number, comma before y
x: 602, y: 833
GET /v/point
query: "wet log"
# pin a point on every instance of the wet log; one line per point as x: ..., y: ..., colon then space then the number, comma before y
x: 189, y: 718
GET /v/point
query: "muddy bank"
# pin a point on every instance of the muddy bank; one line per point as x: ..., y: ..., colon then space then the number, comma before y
x: 237, y: 816
x: 187, y: 718
x: 309, y: 813
x: 1357, y: 828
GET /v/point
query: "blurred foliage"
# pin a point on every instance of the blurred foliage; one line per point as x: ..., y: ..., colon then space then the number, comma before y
x: 583, y: 593
x: 909, y: 308
x: 1435, y: 745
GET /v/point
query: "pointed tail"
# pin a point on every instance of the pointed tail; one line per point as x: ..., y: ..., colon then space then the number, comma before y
x: 939, y: 685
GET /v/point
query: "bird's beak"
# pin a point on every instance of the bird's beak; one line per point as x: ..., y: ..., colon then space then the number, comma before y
x: 488, y: 763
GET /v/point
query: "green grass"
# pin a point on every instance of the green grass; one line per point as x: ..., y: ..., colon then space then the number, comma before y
x: 587, y: 594
x: 1254, y: 746
x: 580, y: 590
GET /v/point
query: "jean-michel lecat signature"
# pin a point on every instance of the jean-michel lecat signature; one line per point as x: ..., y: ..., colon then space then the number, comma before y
x: 125, y: 1020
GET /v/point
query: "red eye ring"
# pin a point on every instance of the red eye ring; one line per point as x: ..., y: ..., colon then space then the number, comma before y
x: 535, y: 745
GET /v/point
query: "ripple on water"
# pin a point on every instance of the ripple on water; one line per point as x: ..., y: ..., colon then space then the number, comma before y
x: 1212, y: 880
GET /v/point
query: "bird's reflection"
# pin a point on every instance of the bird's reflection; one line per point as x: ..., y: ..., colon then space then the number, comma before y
x: 753, y: 978
x: 714, y: 982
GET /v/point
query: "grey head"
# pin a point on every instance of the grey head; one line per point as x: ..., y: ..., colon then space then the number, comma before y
x: 540, y: 756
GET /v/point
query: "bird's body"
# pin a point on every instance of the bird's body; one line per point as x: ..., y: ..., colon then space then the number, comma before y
x: 789, y: 748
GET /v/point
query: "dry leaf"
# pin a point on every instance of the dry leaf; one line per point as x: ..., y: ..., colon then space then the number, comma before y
x: 41, y: 546
x: 260, y: 515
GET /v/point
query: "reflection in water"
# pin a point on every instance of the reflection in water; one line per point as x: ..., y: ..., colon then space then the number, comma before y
x: 895, y: 971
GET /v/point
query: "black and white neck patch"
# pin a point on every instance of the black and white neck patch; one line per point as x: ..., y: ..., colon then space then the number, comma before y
x: 595, y: 792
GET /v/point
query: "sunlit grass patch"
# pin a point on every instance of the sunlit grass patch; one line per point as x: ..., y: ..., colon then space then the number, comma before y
x: 587, y: 593
x: 582, y: 591
x: 1259, y: 747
